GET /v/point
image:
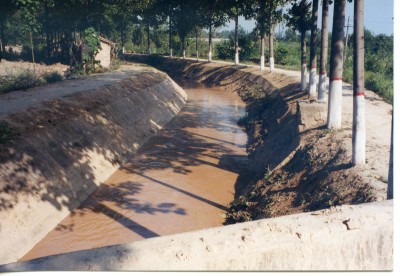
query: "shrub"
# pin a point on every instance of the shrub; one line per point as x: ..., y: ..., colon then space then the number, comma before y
x: 287, y: 53
x: 26, y: 79
x: 249, y: 47
x: 7, y: 134
x: 23, y: 80
x: 380, y: 84
x: 225, y: 50
x: 52, y: 77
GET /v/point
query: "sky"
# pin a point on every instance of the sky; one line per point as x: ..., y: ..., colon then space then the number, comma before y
x: 378, y: 17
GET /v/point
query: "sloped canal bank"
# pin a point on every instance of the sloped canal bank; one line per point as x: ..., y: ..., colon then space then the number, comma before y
x: 181, y: 180
x: 299, y: 165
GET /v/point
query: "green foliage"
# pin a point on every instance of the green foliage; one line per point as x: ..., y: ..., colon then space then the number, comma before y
x: 186, y: 20
x: 27, y: 79
x: 249, y: 46
x: 23, y: 80
x: 213, y: 12
x: 92, y: 40
x: 225, y: 50
x: 378, y: 65
x: 380, y: 83
x: 7, y: 134
x: 29, y: 10
x: 299, y: 16
x: 52, y: 77
x: 264, y: 11
x: 93, y: 46
x: 287, y: 54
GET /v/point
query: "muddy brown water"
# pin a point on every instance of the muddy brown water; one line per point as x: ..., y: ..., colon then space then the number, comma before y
x: 180, y: 180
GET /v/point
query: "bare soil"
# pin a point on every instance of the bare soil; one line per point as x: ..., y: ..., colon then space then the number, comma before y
x: 310, y: 170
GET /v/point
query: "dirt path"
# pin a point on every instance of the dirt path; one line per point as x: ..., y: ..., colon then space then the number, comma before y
x: 180, y: 181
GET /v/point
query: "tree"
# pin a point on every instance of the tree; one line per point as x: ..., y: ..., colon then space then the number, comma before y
x: 47, y: 5
x: 186, y: 20
x: 152, y: 16
x: 7, y: 9
x: 258, y: 10
x: 170, y: 13
x: 322, y: 86
x: 275, y: 16
x: 93, y: 45
x: 336, y: 66
x: 214, y: 14
x: 29, y: 10
x: 313, y: 49
x: 359, y: 138
x: 299, y: 19
x: 169, y: 7
x: 236, y: 8
x: 120, y: 19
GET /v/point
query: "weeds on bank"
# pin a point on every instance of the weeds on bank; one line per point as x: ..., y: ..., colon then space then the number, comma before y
x: 257, y: 100
x: 7, y: 134
x: 27, y: 79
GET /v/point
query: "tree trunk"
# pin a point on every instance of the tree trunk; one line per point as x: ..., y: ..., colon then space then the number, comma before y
x: 271, y: 37
x: 336, y: 66
x: 359, y: 138
x: 271, y: 49
x: 390, y: 176
x: 170, y: 37
x: 33, y: 52
x: 48, y: 52
x: 210, y: 42
x: 197, y: 44
x: 322, y: 86
x: 303, y: 61
x: 2, y: 38
x: 68, y: 39
x: 122, y: 39
x: 262, y: 57
x: 148, y: 39
x: 346, y: 40
x: 312, y: 93
x: 237, y: 38
x: 183, y: 49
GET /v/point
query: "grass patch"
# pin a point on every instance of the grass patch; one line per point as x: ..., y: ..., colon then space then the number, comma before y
x: 380, y: 84
x: 27, y: 79
x: 7, y: 134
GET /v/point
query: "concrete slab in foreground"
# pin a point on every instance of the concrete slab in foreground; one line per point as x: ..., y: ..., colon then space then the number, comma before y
x: 357, y: 237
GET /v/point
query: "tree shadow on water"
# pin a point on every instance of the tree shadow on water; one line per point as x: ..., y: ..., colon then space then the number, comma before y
x: 120, y: 203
